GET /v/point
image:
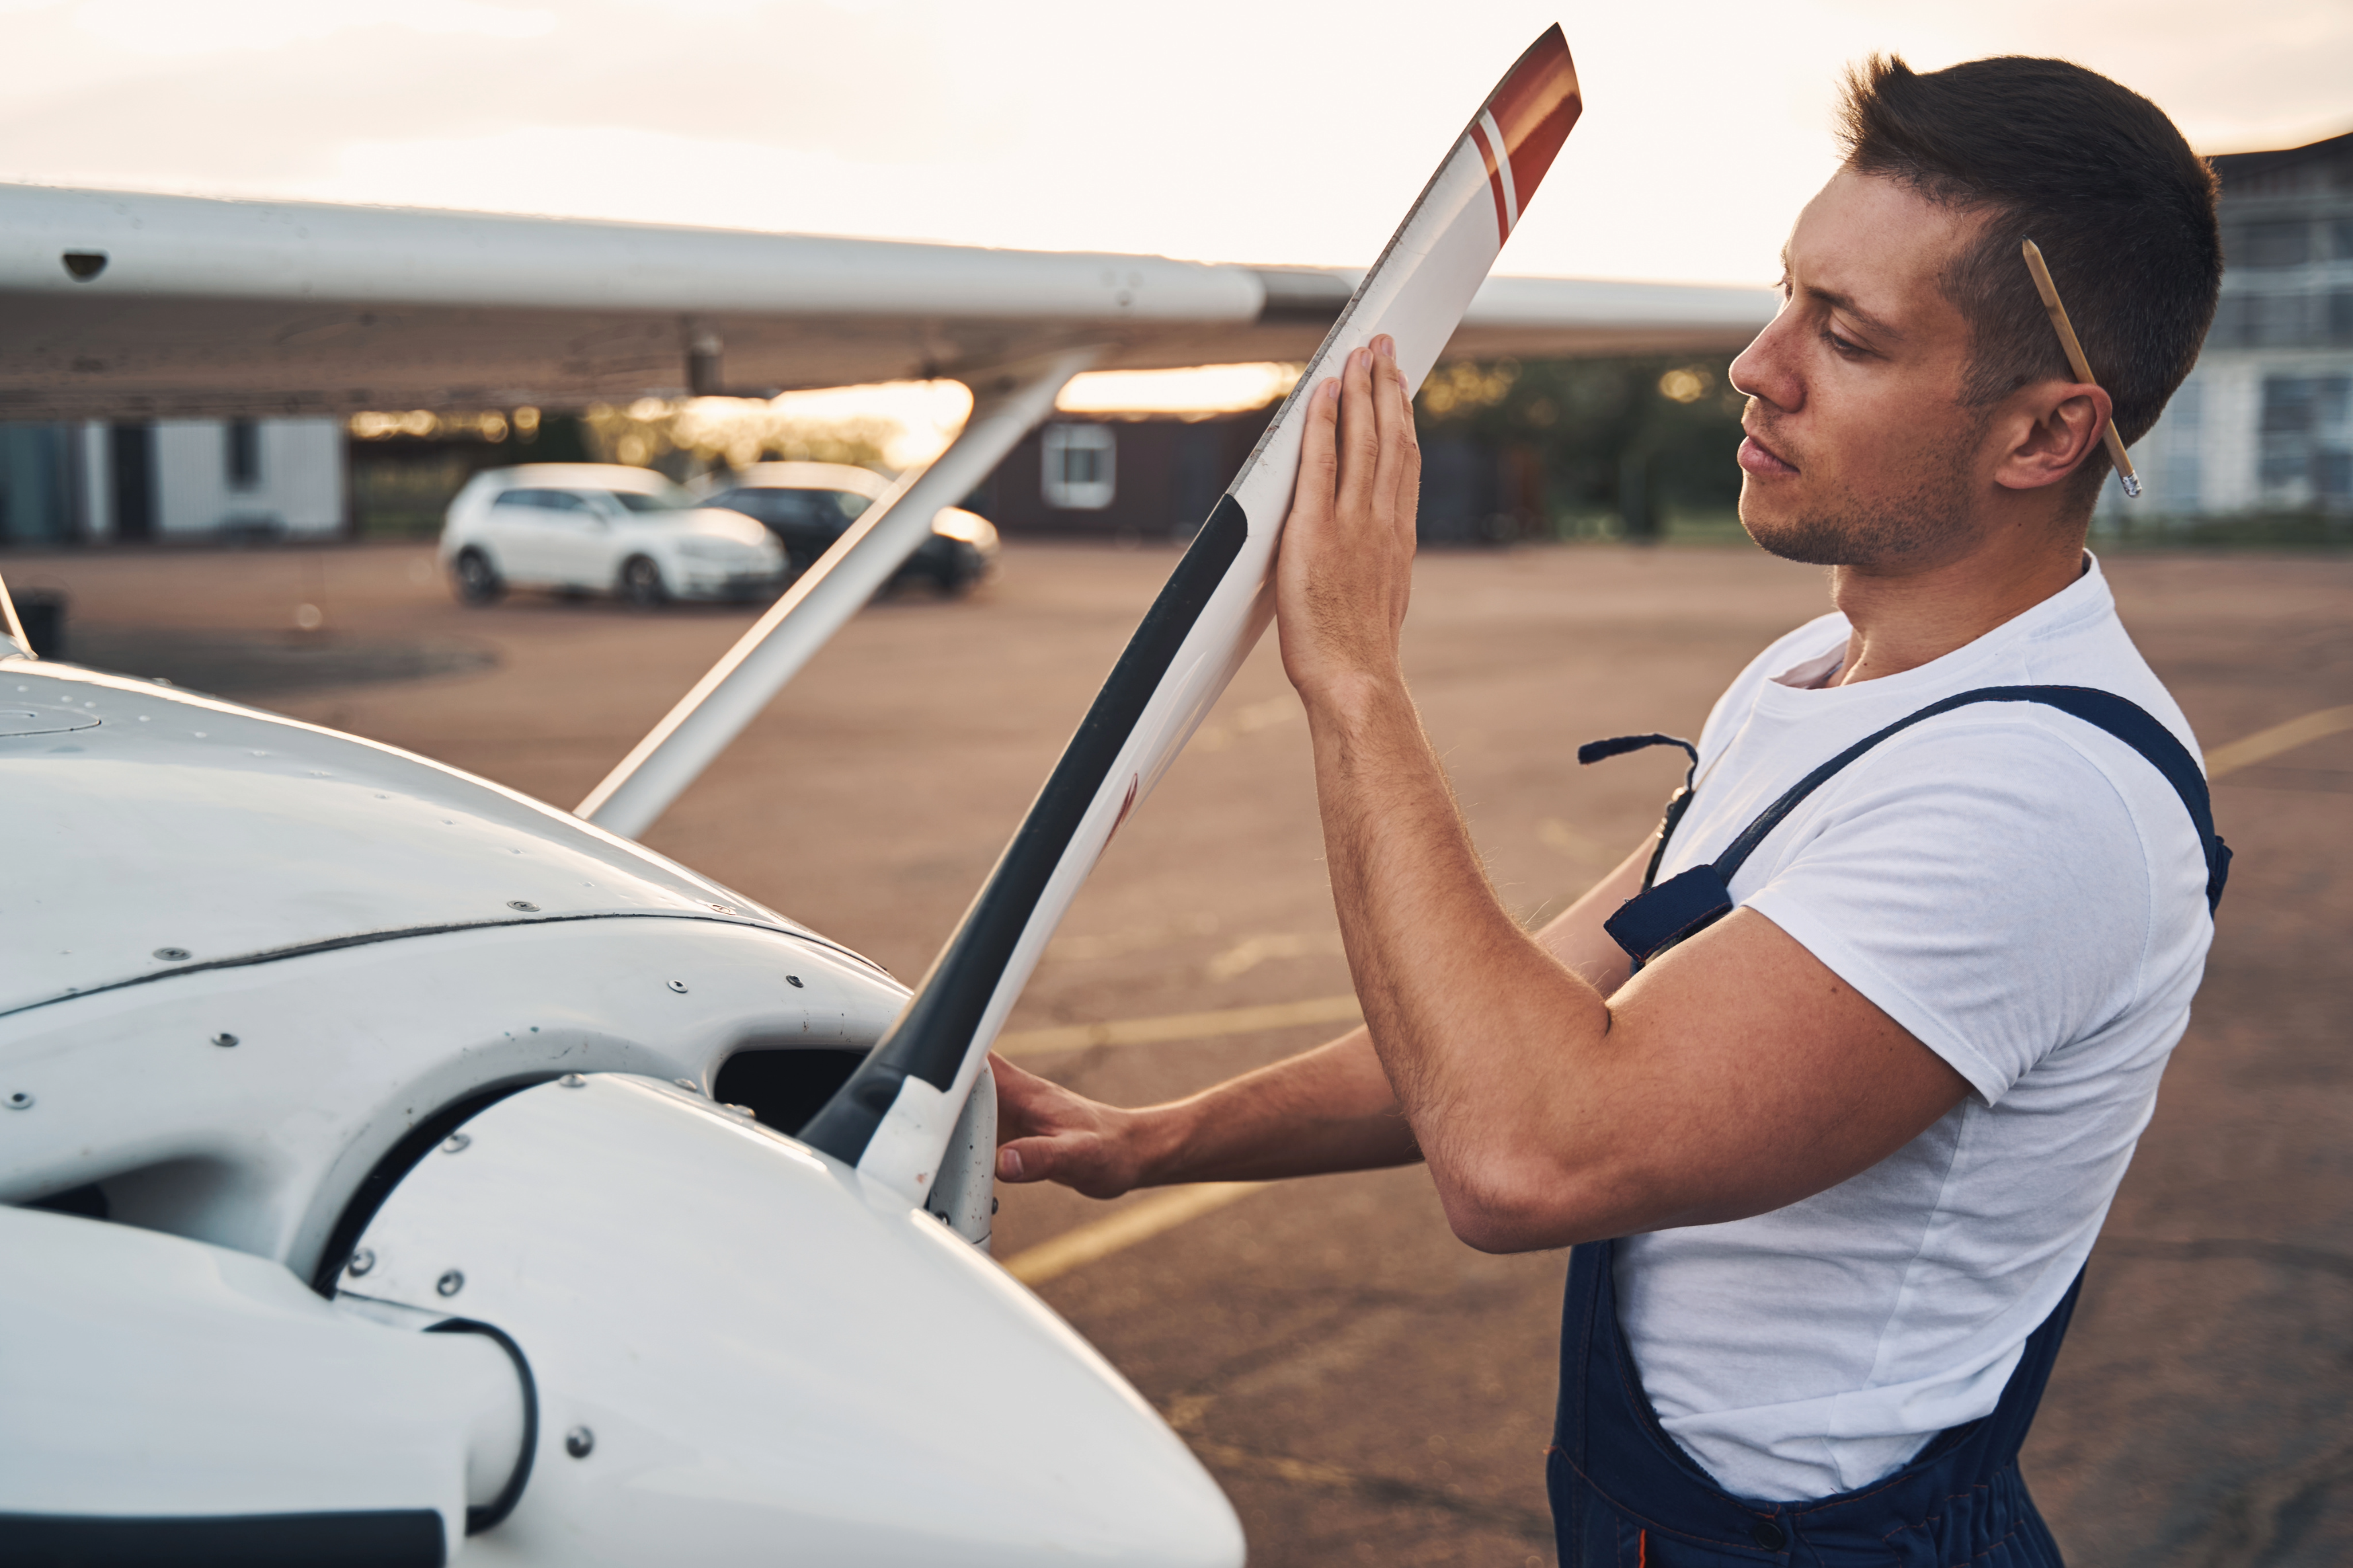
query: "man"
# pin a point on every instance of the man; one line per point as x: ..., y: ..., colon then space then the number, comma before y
x: 1854, y: 1139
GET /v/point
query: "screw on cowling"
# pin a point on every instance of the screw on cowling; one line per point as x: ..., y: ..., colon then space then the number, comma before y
x: 573, y: 1080
x: 451, y: 1283
x: 362, y: 1261
x: 171, y: 954
x: 456, y: 1143
x: 20, y: 1100
x: 525, y: 905
x: 794, y: 981
x: 579, y: 1442
x: 223, y: 1039
x: 678, y: 986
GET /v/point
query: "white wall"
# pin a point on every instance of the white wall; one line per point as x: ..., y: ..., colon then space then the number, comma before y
x: 299, y: 491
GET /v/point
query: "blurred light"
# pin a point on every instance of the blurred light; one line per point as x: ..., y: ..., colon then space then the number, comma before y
x: 526, y: 422
x: 957, y: 523
x: 1465, y: 387
x: 1201, y: 392
x: 1685, y: 383
x: 378, y: 424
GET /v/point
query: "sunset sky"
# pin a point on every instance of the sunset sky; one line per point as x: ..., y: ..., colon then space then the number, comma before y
x: 1257, y: 131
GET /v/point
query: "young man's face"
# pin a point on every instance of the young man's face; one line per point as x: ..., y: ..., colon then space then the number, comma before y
x: 1859, y: 450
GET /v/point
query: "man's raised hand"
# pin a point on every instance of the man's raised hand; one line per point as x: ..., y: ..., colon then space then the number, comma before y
x: 1346, y: 564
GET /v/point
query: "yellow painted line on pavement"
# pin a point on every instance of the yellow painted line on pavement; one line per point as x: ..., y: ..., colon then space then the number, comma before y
x: 1181, y: 1026
x: 2265, y: 744
x: 1123, y: 1229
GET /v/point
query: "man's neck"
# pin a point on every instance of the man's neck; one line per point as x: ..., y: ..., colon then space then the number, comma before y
x: 1901, y: 621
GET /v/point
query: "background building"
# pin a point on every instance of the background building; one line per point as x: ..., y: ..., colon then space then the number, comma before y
x: 2264, y: 427
x: 172, y: 478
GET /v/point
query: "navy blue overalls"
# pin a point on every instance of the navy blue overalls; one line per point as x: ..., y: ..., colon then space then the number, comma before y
x: 1623, y: 1493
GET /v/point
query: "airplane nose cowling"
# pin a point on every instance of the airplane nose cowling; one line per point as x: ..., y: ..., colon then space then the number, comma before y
x: 747, y: 1352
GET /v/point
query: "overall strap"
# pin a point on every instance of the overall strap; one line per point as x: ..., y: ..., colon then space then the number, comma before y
x: 2127, y: 721
x: 1677, y: 803
x: 1660, y: 916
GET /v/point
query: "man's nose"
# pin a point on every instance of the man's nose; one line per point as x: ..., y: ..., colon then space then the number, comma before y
x: 1766, y: 371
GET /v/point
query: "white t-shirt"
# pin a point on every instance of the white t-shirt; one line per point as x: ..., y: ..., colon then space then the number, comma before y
x: 2024, y: 893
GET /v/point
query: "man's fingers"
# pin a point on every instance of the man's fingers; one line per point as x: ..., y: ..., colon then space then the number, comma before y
x: 1024, y: 1160
x: 1392, y: 401
x: 1074, y: 1158
x: 1406, y: 498
x: 1021, y: 1095
x: 1319, y: 461
x: 1359, y: 436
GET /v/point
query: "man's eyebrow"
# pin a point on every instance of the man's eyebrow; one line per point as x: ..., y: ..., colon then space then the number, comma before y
x: 1876, y: 325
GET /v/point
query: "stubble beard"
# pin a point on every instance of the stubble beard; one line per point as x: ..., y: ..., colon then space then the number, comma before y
x: 1924, y: 521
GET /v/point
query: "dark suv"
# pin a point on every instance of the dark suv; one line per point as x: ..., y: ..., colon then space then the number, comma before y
x: 808, y: 505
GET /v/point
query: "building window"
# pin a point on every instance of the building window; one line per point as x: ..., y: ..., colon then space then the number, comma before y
x: 1080, y: 470
x: 2281, y: 242
x: 2179, y: 478
x: 244, y: 455
x: 2306, y: 440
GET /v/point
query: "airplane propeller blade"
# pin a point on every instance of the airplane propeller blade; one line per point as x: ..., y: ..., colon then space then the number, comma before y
x: 893, y: 1118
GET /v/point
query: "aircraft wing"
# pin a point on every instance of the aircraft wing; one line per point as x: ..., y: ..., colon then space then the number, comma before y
x: 116, y: 305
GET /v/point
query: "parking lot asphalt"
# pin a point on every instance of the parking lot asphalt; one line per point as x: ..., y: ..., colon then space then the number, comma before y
x: 1366, y: 1388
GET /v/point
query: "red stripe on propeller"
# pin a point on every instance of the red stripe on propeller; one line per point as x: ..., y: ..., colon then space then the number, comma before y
x: 1536, y: 107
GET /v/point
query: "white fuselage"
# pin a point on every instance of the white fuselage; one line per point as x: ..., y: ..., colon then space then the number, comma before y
x: 247, y: 964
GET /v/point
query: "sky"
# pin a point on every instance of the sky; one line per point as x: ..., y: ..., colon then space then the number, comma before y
x: 1229, y: 130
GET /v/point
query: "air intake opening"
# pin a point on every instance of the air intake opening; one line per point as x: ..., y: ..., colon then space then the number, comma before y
x: 784, y: 1088
x: 84, y: 265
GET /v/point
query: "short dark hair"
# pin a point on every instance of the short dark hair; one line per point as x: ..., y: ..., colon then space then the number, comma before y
x: 2094, y: 175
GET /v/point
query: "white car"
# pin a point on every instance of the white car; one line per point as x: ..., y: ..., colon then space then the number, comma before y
x: 602, y: 528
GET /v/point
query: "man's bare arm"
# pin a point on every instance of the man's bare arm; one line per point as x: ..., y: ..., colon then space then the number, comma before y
x: 1327, y: 1109
x: 1734, y: 1077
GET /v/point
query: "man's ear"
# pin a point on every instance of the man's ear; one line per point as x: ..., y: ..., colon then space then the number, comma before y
x: 2053, y: 428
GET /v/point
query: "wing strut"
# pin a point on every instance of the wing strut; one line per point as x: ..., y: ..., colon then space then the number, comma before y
x: 11, y: 625
x: 674, y: 754
x: 893, y: 1118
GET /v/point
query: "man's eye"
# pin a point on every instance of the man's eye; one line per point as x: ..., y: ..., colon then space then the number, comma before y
x: 1845, y: 346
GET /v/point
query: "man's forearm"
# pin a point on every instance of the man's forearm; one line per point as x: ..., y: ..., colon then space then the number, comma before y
x: 1329, y: 1110
x: 1466, y: 1012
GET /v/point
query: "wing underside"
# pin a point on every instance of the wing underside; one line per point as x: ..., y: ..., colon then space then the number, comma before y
x: 132, y: 306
